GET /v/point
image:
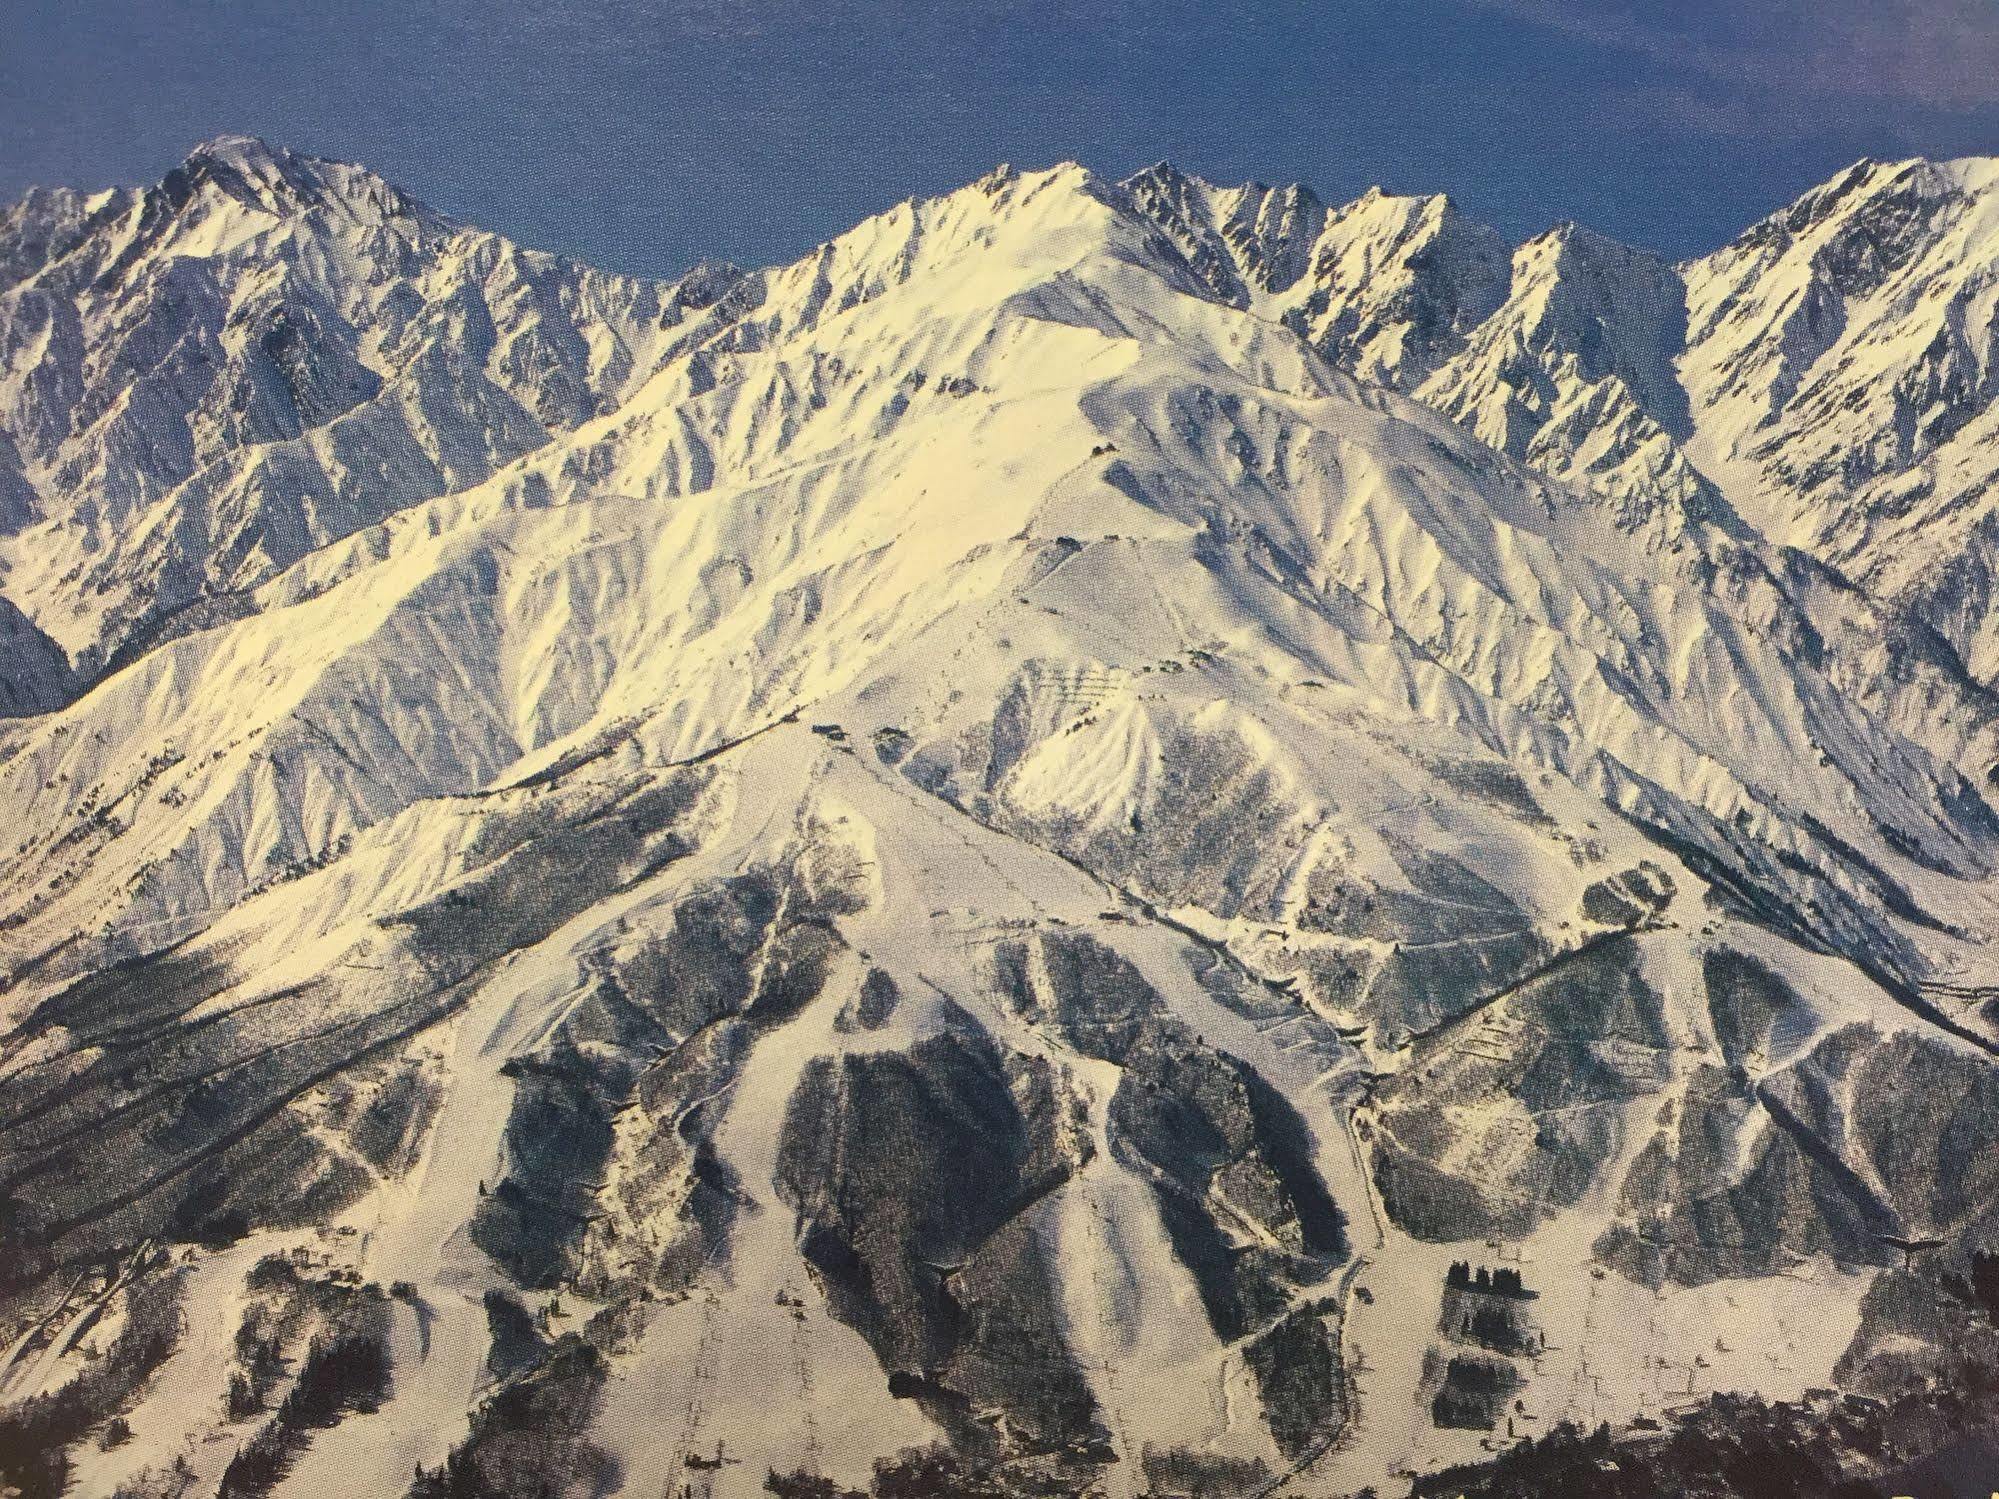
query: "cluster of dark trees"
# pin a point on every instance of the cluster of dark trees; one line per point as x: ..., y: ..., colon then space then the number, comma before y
x: 1983, y: 1288
x: 1505, y: 1281
x: 339, y: 1375
x: 35, y: 1433
x: 1496, y: 1327
x: 1744, y: 1447
x: 1473, y: 1393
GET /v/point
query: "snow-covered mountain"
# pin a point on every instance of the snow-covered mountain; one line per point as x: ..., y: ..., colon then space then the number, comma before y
x: 1829, y: 375
x: 1841, y: 367
x: 206, y: 379
x: 1386, y: 287
x: 1106, y: 838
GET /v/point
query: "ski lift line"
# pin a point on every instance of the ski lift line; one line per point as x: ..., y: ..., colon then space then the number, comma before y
x: 1099, y: 1231
x: 706, y: 1352
x: 1560, y: 960
x: 808, y: 1396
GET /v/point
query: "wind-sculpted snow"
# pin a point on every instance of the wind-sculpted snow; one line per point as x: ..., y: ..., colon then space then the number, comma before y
x: 1839, y: 362
x: 984, y: 841
x: 1387, y: 287
x: 206, y: 379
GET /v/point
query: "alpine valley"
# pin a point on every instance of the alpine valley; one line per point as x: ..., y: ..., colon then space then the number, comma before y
x: 1111, y: 838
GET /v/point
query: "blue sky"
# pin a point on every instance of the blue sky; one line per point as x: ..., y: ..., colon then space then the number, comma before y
x: 645, y: 134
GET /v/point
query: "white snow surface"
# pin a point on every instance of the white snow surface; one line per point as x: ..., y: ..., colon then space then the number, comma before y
x: 1068, y: 490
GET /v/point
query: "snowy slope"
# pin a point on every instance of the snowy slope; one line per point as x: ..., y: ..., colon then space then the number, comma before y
x: 990, y: 850
x: 205, y: 379
x: 1840, y: 364
x: 1575, y: 374
x: 1387, y: 287
x: 1827, y: 376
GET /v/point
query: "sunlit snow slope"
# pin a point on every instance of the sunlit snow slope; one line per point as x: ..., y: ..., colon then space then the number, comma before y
x: 974, y: 861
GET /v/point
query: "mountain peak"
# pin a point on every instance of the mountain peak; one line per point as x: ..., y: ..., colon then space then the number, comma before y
x: 734, y: 806
x: 1579, y: 239
x: 1571, y: 264
x: 1406, y: 214
x: 1164, y: 175
x: 1247, y: 243
x: 270, y: 179
x: 1915, y: 181
x: 237, y: 147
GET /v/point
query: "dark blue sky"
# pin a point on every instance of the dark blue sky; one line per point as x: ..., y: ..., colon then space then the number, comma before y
x: 643, y: 134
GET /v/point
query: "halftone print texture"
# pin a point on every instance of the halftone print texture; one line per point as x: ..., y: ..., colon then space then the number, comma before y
x: 1112, y: 834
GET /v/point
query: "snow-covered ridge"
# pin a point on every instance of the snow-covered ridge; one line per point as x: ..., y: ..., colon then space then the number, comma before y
x: 207, y: 378
x: 1015, y: 835
x: 1827, y: 375
x: 1385, y: 286
x: 1840, y: 364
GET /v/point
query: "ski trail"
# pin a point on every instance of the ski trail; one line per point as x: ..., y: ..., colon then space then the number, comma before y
x: 416, y: 1229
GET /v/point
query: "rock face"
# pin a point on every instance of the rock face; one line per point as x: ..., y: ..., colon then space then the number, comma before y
x: 206, y: 379
x: 1827, y: 377
x: 35, y: 676
x: 1030, y: 842
x: 1388, y: 287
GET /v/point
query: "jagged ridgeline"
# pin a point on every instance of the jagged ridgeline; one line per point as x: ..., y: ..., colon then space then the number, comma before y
x: 1127, y: 839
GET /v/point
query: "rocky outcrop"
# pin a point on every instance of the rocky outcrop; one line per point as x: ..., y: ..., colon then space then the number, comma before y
x: 203, y: 380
